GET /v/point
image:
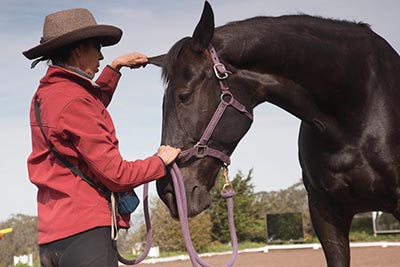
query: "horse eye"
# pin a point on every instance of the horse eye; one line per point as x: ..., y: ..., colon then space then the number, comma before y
x: 184, y: 97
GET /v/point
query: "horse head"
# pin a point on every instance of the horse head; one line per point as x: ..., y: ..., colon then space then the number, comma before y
x: 191, y: 98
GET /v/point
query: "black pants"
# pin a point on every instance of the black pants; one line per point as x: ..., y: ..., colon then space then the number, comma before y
x: 93, y: 248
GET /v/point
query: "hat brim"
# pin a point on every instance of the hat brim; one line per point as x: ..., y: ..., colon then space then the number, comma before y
x: 108, y: 35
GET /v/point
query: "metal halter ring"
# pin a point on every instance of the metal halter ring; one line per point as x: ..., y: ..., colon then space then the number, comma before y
x: 229, y: 96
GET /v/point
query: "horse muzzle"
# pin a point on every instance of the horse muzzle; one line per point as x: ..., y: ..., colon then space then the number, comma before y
x: 197, y: 196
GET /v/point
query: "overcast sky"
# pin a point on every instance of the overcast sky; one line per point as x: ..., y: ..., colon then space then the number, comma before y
x: 152, y: 27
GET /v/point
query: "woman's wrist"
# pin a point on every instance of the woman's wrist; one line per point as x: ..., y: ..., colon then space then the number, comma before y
x: 116, y: 64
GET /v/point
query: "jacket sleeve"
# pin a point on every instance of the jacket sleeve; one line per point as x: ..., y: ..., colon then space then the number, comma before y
x: 108, y: 80
x: 90, y: 130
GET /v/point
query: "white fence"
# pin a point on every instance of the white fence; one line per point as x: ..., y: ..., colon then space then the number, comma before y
x: 388, y: 229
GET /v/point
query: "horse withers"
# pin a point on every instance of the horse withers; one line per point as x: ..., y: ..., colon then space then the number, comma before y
x: 339, y: 78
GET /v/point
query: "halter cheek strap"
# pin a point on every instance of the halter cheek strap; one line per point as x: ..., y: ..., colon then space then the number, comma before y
x: 201, y: 149
x: 222, y: 74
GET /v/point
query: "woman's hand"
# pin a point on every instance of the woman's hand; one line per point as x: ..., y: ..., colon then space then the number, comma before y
x: 168, y: 154
x: 132, y: 60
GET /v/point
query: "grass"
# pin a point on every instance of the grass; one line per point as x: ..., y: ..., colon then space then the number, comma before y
x: 361, y: 236
x: 367, y: 237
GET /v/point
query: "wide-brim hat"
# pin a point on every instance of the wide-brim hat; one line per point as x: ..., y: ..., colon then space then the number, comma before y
x: 66, y: 27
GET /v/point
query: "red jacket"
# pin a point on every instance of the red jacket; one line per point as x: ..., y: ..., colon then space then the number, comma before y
x: 76, y: 122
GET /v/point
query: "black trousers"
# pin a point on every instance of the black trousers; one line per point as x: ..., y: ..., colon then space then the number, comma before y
x: 93, y: 248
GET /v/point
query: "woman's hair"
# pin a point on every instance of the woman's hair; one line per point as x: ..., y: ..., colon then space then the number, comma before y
x: 61, y: 56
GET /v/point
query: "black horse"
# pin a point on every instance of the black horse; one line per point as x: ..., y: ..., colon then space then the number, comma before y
x: 339, y: 78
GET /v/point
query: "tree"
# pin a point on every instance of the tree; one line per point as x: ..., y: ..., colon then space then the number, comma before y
x: 23, y: 239
x: 249, y: 223
x: 167, y: 232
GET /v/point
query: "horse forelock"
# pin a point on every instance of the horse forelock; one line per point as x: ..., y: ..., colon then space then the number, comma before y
x: 171, y: 59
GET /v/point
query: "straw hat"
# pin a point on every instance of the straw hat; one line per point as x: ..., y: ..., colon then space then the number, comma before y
x: 68, y: 26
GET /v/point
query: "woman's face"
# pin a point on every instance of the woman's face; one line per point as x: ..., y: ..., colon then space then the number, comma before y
x: 90, y: 57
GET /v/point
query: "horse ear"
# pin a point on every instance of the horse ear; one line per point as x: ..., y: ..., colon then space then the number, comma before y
x: 157, y: 60
x: 204, y: 31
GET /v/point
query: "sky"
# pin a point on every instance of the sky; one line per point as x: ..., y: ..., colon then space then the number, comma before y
x: 152, y: 27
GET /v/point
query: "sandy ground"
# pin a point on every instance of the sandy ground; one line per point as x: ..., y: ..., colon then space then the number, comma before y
x: 360, y: 257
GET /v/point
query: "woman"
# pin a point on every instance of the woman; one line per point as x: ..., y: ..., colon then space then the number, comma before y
x: 74, y: 217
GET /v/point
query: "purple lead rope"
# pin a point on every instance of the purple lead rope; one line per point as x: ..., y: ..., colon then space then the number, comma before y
x: 180, y: 196
x: 149, y: 235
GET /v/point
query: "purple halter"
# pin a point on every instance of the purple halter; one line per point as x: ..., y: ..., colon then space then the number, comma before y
x: 201, y: 149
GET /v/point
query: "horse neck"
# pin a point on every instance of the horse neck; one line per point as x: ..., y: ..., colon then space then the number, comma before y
x: 305, y: 65
x: 325, y: 57
x: 280, y: 48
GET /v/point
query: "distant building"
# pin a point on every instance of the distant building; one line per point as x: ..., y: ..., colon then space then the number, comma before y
x: 24, y: 259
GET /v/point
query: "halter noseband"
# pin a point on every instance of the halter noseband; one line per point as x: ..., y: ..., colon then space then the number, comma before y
x: 201, y: 149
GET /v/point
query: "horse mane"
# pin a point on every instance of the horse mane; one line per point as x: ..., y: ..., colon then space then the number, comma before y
x: 334, y: 20
x: 304, y: 18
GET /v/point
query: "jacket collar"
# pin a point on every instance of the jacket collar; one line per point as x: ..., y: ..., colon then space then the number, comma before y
x: 56, y: 73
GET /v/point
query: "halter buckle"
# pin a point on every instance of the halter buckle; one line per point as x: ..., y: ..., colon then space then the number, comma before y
x: 221, y: 74
x: 200, y: 151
